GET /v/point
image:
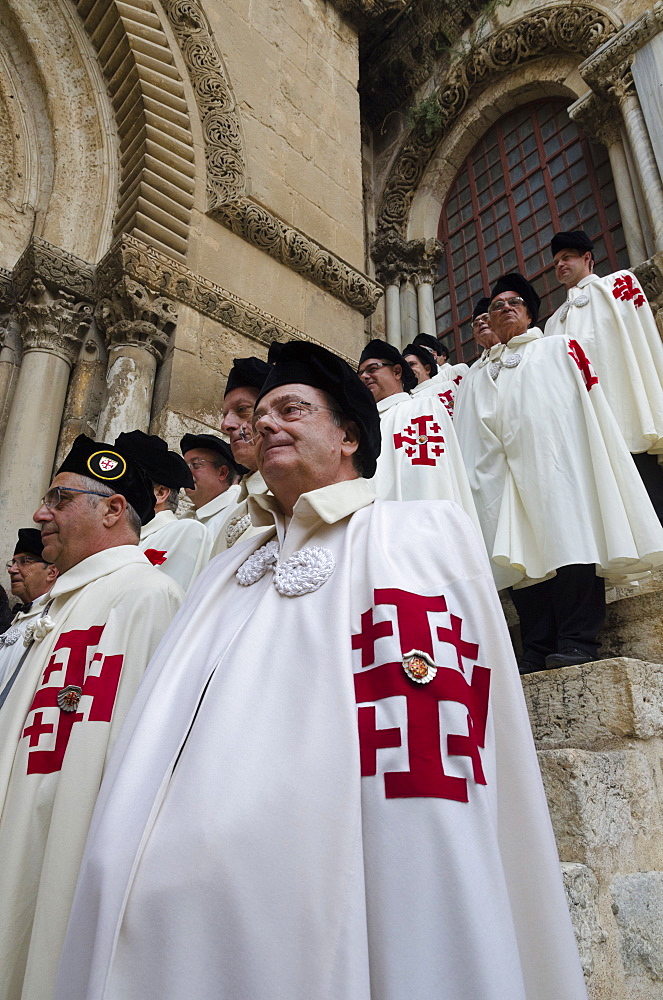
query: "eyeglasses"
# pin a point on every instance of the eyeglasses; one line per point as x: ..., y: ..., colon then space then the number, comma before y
x: 371, y: 369
x: 197, y: 463
x: 21, y: 561
x: 481, y: 318
x: 499, y: 304
x: 57, y: 494
x: 288, y: 412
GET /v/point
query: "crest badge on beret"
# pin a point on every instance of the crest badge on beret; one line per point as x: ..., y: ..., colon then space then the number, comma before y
x: 107, y: 465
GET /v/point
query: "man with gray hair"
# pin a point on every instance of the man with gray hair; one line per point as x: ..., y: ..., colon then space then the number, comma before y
x: 87, y: 652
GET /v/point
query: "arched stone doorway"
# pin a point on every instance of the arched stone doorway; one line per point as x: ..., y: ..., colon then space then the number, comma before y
x: 532, y: 173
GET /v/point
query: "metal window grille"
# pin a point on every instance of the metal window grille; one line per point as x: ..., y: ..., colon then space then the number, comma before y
x: 532, y: 174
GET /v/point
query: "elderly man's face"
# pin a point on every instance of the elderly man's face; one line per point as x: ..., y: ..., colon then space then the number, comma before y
x: 211, y: 476
x: 237, y: 415
x: 30, y: 577
x: 571, y: 266
x: 483, y: 334
x: 380, y: 378
x: 74, y: 529
x: 417, y: 367
x: 508, y: 319
x: 300, y: 446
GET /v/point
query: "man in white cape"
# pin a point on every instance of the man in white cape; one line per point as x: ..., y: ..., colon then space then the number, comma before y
x: 420, y: 458
x: 429, y: 381
x: 245, y: 381
x: 560, y: 502
x: 107, y: 611
x: 215, y: 474
x: 454, y: 373
x: 612, y: 321
x: 343, y: 801
x: 178, y: 546
x: 31, y: 578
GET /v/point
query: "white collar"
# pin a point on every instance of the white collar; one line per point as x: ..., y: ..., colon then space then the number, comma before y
x: 219, y: 503
x: 95, y: 566
x: 388, y: 401
x: 533, y: 333
x: 160, y: 520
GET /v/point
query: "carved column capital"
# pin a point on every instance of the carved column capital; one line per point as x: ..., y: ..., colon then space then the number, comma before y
x: 650, y: 275
x: 607, y: 70
x: 132, y: 315
x: 397, y: 259
x: 53, y: 322
x: 599, y: 119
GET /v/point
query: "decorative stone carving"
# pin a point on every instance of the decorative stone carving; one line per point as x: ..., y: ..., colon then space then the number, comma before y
x: 224, y: 152
x: 132, y: 315
x: 576, y: 28
x: 301, y: 254
x: 609, y: 65
x: 396, y: 258
x: 154, y: 270
x: 650, y: 276
x: 56, y: 267
x: 364, y: 11
x: 598, y: 118
x: 53, y: 322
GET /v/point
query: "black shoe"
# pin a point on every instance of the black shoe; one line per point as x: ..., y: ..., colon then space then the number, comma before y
x: 569, y: 658
x: 530, y: 667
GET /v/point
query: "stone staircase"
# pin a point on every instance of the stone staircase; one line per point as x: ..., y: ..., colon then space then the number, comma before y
x: 598, y: 729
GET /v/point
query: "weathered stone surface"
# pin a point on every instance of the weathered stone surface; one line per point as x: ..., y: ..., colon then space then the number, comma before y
x: 634, y: 626
x: 582, y: 890
x: 637, y: 902
x: 604, y: 808
x: 596, y: 704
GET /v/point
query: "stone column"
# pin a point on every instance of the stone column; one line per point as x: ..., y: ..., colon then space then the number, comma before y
x: 393, y: 312
x: 138, y: 326
x: 408, y: 269
x: 426, y: 304
x: 85, y: 393
x: 10, y: 348
x: 602, y: 122
x: 52, y: 325
x: 409, y: 314
x: 643, y: 154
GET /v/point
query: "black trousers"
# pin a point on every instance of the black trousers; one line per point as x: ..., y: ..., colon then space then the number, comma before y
x: 651, y: 474
x: 564, y: 613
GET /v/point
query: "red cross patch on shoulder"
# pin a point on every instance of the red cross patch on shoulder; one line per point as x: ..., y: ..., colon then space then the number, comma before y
x: 584, y: 364
x: 627, y: 289
x: 424, y: 683
x: 156, y: 556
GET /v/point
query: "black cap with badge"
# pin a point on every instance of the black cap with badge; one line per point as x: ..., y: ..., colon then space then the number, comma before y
x: 164, y: 467
x: 107, y: 464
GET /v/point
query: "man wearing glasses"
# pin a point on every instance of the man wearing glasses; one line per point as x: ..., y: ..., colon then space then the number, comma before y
x: 420, y: 458
x: 560, y: 502
x: 31, y: 578
x: 323, y: 801
x: 215, y: 473
x: 86, y: 654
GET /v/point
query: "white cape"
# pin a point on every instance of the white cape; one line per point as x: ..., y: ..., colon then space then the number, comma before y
x: 237, y: 854
x: 420, y: 457
x: 237, y: 526
x: 617, y: 329
x: 179, y: 547
x: 107, y: 616
x: 553, y: 481
x: 11, y: 641
x: 441, y: 387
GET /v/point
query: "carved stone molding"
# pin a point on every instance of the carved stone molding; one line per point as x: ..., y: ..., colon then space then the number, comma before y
x: 650, y: 275
x: 396, y: 258
x: 575, y: 28
x: 224, y: 152
x: 611, y: 63
x: 172, y: 280
x: 363, y: 12
x: 301, y: 254
x: 598, y: 118
x: 55, y: 267
x: 53, y: 322
x: 132, y: 315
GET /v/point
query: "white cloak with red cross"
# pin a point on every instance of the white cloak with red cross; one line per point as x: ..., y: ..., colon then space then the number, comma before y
x: 613, y: 322
x: 107, y: 616
x: 441, y: 388
x: 553, y: 481
x: 292, y: 814
x: 179, y: 547
x: 420, y: 458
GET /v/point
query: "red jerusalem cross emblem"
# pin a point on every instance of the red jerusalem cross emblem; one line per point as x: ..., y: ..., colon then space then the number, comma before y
x: 107, y: 464
x: 422, y: 444
x: 627, y: 289
x: 584, y: 364
x: 432, y: 690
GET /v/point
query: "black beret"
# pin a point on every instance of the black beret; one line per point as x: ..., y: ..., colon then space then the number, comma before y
x: 383, y: 351
x: 429, y: 342
x: 424, y: 356
x: 108, y: 465
x: 481, y: 306
x: 164, y: 467
x: 577, y: 240
x: 247, y: 372
x: 212, y: 443
x: 274, y: 352
x: 29, y: 542
x: 515, y: 282
x: 311, y: 364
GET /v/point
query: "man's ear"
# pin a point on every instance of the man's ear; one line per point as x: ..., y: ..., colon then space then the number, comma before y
x: 398, y: 372
x: 161, y: 493
x: 224, y: 472
x: 52, y: 574
x: 117, y: 505
x: 350, y: 441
